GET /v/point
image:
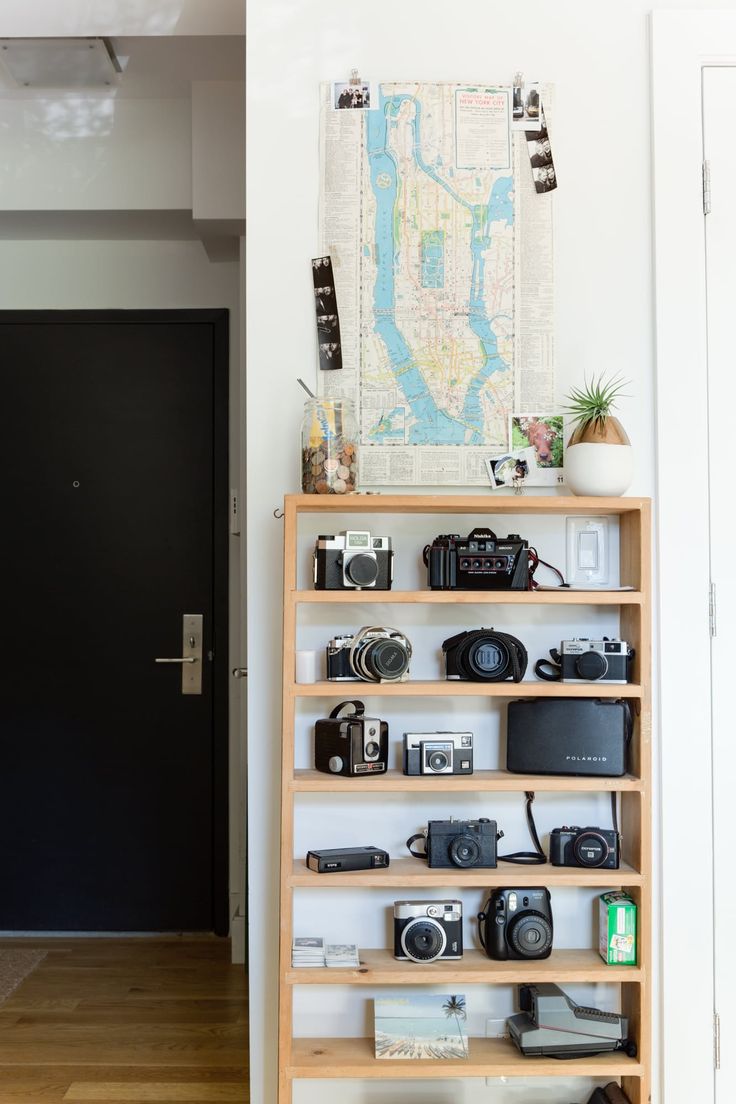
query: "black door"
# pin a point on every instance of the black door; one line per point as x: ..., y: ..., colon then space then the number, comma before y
x: 113, y: 783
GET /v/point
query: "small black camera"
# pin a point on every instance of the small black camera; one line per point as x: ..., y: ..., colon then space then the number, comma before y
x: 351, y: 745
x: 516, y: 924
x: 458, y: 843
x: 438, y: 753
x: 372, y: 654
x: 353, y: 560
x: 483, y: 655
x: 480, y: 561
x: 428, y: 930
x: 595, y: 847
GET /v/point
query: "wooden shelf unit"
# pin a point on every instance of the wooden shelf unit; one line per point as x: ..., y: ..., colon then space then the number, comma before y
x: 354, y: 1058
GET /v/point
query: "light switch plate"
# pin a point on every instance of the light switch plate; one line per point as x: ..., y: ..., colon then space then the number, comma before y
x: 588, y: 551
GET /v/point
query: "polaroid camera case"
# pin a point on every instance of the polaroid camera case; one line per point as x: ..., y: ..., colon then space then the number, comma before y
x: 582, y: 736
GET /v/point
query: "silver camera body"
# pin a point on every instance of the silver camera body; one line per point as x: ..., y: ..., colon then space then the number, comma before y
x: 604, y: 660
x: 438, y: 753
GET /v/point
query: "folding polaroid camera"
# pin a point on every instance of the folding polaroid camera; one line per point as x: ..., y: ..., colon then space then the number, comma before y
x: 576, y: 736
x: 551, y: 1024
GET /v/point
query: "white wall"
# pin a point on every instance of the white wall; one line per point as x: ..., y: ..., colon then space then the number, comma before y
x: 49, y: 18
x: 597, y: 56
x: 218, y: 164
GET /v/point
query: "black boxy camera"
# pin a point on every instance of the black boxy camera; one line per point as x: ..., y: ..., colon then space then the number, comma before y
x: 593, y: 847
x: 484, y: 655
x: 351, y: 745
x: 353, y: 560
x: 480, y: 561
x: 517, y: 924
x: 428, y: 930
x: 458, y: 843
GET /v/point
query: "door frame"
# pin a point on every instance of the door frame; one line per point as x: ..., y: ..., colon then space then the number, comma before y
x: 683, y: 43
x: 218, y: 319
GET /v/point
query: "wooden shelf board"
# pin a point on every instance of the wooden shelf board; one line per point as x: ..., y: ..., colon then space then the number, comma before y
x: 470, y: 598
x: 409, y: 873
x: 461, y: 504
x: 344, y: 1058
x: 379, y: 967
x: 451, y: 688
x: 394, y: 781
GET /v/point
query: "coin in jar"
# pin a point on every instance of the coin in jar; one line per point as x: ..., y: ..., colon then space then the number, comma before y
x: 339, y: 486
x: 331, y: 465
x: 318, y: 457
x: 343, y: 472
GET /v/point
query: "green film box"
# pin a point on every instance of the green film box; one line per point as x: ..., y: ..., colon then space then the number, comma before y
x: 617, y: 929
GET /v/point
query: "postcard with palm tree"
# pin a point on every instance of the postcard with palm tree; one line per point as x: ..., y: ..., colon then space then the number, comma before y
x: 421, y: 1026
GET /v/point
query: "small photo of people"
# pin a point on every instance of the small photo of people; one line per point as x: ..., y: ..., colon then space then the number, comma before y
x: 527, y: 107
x: 347, y: 95
x: 544, y: 178
x: 540, y: 156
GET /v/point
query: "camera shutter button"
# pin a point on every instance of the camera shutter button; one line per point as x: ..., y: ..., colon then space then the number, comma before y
x: 335, y: 764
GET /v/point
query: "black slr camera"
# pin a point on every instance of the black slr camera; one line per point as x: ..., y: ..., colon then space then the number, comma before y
x: 516, y: 923
x: 483, y: 655
x: 373, y: 654
x: 458, y: 843
x: 428, y: 930
x: 351, y: 745
x: 574, y: 846
x: 480, y: 561
x: 353, y: 561
x: 438, y: 753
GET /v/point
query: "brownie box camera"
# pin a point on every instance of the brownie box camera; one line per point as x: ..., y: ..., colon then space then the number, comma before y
x: 351, y: 745
x: 576, y: 736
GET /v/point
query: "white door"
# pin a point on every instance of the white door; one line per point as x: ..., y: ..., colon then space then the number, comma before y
x: 719, y: 100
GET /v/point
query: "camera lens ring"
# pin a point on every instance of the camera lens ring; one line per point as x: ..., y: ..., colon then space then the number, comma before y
x: 591, y: 665
x: 587, y: 839
x: 464, y: 851
x: 479, y: 668
x: 362, y: 569
x: 531, y: 935
x: 438, y: 761
x: 382, y: 658
x: 423, y: 928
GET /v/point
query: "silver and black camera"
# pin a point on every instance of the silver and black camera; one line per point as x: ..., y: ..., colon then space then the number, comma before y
x: 353, y: 561
x: 373, y: 654
x: 438, y: 753
x: 425, y: 931
x: 582, y: 660
x: 592, y: 847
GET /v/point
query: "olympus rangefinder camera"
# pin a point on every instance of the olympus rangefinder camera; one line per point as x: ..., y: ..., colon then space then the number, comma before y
x: 373, y: 654
x: 582, y: 660
x: 425, y: 931
x: 438, y: 753
x: 480, y: 561
x: 592, y: 847
x: 353, y: 560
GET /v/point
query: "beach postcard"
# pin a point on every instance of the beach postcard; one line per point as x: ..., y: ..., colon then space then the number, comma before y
x: 421, y: 1026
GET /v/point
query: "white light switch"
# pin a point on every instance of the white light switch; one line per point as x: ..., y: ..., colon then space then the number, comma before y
x: 587, y: 551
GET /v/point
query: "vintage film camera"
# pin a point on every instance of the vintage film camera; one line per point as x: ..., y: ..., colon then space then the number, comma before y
x: 351, y: 745
x: 480, y: 561
x: 517, y: 924
x: 610, y: 1094
x: 331, y: 860
x: 458, y: 843
x: 551, y: 1023
x: 438, y: 753
x: 582, y: 660
x: 372, y: 654
x: 593, y: 847
x: 353, y: 561
x: 425, y: 931
x: 484, y: 655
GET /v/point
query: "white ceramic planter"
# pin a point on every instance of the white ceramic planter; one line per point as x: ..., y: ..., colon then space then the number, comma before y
x: 599, y: 469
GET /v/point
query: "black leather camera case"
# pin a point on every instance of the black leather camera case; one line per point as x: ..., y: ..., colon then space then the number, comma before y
x: 582, y: 736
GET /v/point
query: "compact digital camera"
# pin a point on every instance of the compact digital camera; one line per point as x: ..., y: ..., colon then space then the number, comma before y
x: 583, y: 660
x: 458, y: 843
x: 438, y: 753
x: 483, y: 655
x: 373, y: 654
x: 584, y: 847
x: 425, y: 931
x: 353, y: 561
x: 351, y: 745
x: 480, y: 561
x: 516, y: 924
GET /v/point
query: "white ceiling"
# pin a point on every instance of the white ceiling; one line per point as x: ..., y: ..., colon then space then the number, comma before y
x: 161, y: 67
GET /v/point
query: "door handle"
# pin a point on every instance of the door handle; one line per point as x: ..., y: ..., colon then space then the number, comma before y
x: 191, y: 646
x: 179, y: 659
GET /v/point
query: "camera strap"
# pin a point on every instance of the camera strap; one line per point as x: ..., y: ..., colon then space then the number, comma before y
x: 413, y: 839
x: 528, y: 858
x: 358, y: 709
x: 549, y: 669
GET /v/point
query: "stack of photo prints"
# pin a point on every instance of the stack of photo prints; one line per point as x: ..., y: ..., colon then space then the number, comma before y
x: 414, y: 1027
x: 310, y: 950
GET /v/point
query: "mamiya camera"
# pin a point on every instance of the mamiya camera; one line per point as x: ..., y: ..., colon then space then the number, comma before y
x: 516, y: 923
x: 552, y: 1023
x: 458, y: 843
x: 353, y: 561
x: 351, y: 745
x: 483, y: 655
x: 373, y: 654
x: 584, y: 660
x: 584, y: 847
x: 480, y: 561
x: 438, y: 753
x: 428, y: 930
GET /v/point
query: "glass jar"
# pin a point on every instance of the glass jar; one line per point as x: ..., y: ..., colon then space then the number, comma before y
x: 329, y: 447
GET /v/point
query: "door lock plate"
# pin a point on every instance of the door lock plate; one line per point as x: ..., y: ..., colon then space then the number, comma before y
x: 191, y: 673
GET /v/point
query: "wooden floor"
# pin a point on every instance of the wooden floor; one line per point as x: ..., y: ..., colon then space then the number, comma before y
x: 126, y: 1020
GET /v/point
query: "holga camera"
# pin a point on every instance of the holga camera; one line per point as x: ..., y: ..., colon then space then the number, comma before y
x: 428, y: 930
x: 582, y: 660
x: 480, y: 561
x: 594, y: 847
x: 351, y: 745
x: 458, y: 843
x: 353, y: 561
x: 484, y: 655
x: 438, y: 753
x: 373, y: 654
x: 516, y: 924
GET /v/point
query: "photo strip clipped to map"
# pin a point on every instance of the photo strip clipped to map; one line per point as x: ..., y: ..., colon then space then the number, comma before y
x: 442, y: 255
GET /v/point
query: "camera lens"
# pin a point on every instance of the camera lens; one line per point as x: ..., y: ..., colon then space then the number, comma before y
x: 362, y: 570
x: 423, y: 940
x: 371, y: 750
x: 464, y: 851
x: 383, y: 659
x: 591, y: 665
x: 487, y: 658
x: 531, y: 935
x: 590, y: 849
x: 438, y: 761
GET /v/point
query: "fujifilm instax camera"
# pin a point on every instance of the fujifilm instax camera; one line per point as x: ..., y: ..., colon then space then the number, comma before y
x: 438, y: 753
x: 353, y: 561
x: 428, y: 930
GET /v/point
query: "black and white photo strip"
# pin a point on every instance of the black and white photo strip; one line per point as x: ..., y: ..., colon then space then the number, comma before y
x: 328, y: 322
x: 527, y: 107
x: 348, y: 94
x: 540, y: 156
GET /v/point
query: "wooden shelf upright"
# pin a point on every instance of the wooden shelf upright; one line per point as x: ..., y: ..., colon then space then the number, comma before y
x: 337, y: 1058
